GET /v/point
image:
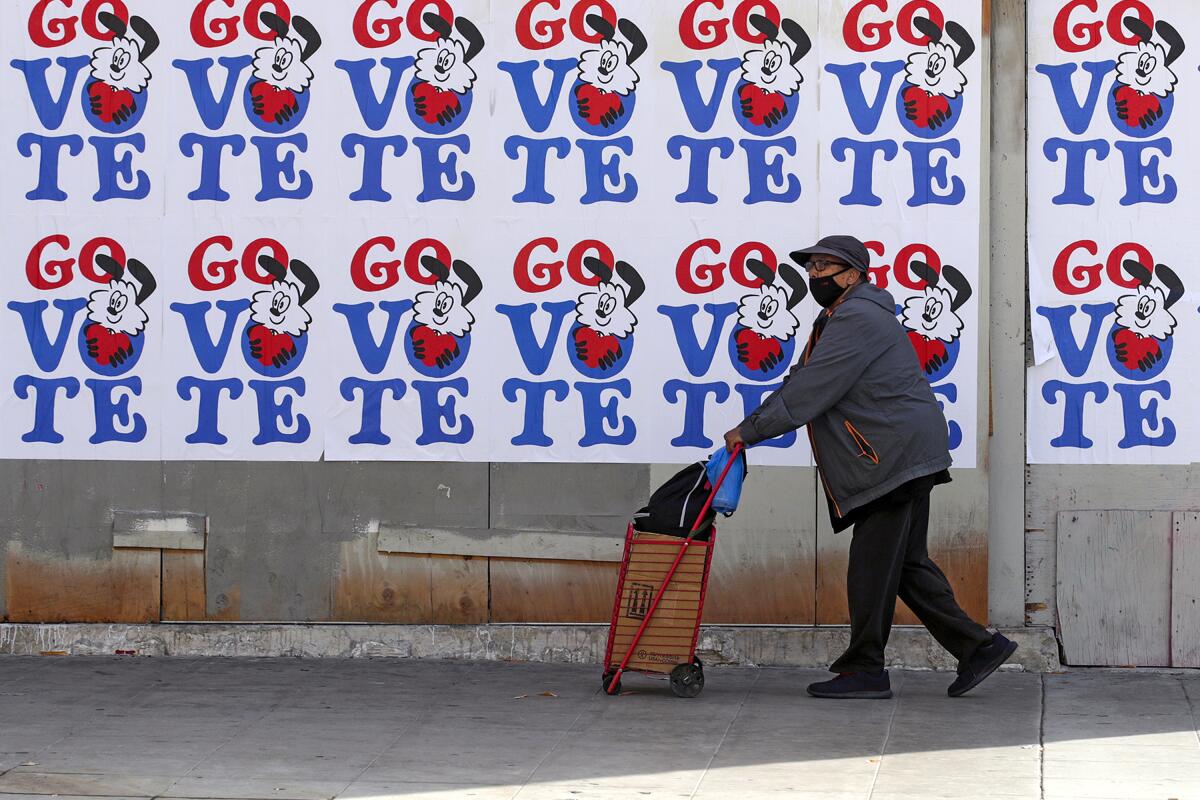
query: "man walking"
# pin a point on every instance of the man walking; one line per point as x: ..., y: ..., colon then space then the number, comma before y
x: 879, y: 439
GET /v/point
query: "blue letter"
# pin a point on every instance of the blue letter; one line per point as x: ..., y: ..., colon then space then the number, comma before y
x: 865, y: 116
x: 928, y: 174
x: 535, y: 164
x: 47, y: 354
x: 107, y: 411
x: 536, y: 355
x: 51, y: 110
x: 372, y: 172
x: 1074, y: 397
x: 375, y: 112
x: 1141, y: 176
x: 213, y: 112
x: 272, y: 412
x: 373, y: 355
x: 701, y: 113
x: 1077, y: 116
x: 599, y: 417
x: 46, y: 391
x: 696, y: 358
x: 698, y: 165
x: 694, y: 395
x: 273, y: 167
x: 210, y: 354
x: 372, y: 392
x: 49, y: 148
x: 434, y: 412
x: 1139, y: 418
x: 433, y: 169
x: 113, y: 171
x: 211, y: 148
x: 861, y: 193
x: 1074, y: 357
x: 764, y: 174
x: 534, y: 432
x: 539, y: 114
x: 1073, y: 192
x: 600, y: 174
x: 210, y: 400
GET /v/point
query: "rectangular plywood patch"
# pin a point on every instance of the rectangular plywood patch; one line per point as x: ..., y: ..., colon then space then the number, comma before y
x: 124, y: 588
x: 458, y: 590
x: 1185, y: 589
x: 369, y: 586
x: 183, y: 597
x: 1114, y: 587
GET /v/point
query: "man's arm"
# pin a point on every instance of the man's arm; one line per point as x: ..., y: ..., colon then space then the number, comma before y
x: 847, y: 347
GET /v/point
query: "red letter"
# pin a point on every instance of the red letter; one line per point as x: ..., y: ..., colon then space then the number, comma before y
x: 91, y: 21
x: 222, y: 273
x: 705, y: 34
x: 741, y: 19
x: 878, y: 274
x: 578, y: 19
x: 379, y: 275
x: 1088, y: 275
x: 254, y: 25
x: 1081, y: 36
x: 250, y: 259
x: 542, y: 34
x: 905, y: 256
x: 412, y: 260
x: 225, y: 27
x: 1116, y: 27
x: 711, y: 274
x: 575, y: 261
x: 378, y: 33
x: 904, y: 21
x: 874, y: 34
x: 1119, y: 254
x: 416, y: 15
x: 40, y: 28
x: 737, y: 262
x: 87, y: 259
x: 549, y: 274
x: 56, y: 273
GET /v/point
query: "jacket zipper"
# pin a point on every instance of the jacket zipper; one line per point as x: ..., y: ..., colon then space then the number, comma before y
x: 864, y: 446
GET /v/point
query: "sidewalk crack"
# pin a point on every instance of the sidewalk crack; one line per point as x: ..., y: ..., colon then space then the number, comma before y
x: 887, y: 738
x: 1192, y: 708
x: 725, y: 734
x: 1042, y: 742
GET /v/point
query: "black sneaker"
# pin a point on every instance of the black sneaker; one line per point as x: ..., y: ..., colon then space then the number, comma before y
x: 854, y: 686
x: 985, y: 661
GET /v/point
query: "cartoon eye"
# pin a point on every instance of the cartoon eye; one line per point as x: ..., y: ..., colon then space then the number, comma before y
x: 117, y: 303
x: 120, y: 59
x: 280, y: 303
x: 608, y: 61
x: 936, y: 65
x: 606, y: 305
x: 1146, y: 307
x: 442, y: 305
x: 771, y: 63
x: 283, y: 59
x: 933, y: 309
x: 768, y: 307
x: 445, y: 60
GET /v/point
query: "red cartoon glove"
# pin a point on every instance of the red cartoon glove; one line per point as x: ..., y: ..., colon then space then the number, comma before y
x: 109, y: 104
x: 926, y: 110
x: 1137, y: 109
x: 930, y: 352
x: 434, y: 349
x: 1135, y: 351
x: 269, y: 348
x: 107, y: 348
x: 596, y: 349
x: 762, y: 107
x: 597, y: 106
x: 435, y: 105
x: 272, y: 104
x: 758, y: 352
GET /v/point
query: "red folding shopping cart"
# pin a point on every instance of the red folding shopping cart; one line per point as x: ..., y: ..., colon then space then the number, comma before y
x: 659, y: 604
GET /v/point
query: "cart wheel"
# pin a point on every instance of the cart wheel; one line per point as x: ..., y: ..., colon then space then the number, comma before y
x: 687, y: 680
x: 606, y: 680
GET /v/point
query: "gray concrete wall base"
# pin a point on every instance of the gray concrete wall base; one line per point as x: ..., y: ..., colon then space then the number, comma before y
x: 743, y: 645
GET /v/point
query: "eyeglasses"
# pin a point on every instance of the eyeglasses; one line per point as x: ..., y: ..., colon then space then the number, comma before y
x: 822, y: 264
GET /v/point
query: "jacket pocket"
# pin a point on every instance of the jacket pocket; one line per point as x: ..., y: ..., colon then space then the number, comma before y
x: 865, y: 450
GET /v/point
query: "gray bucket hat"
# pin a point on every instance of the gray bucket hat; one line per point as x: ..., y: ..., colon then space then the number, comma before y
x: 847, y: 248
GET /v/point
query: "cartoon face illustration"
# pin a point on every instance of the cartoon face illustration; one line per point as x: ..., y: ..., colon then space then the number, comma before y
x: 607, y: 80
x: 772, y: 66
x: 441, y: 314
x: 1141, y: 338
x: 603, y: 314
x: 765, y: 318
x: 115, y: 314
x: 446, y: 64
x: 1148, y: 68
x: 936, y: 68
x: 283, y: 63
x: 278, y: 315
x: 118, y: 69
x: 932, y: 317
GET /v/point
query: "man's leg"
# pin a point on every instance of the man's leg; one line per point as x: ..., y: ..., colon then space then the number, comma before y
x: 925, y: 589
x: 873, y: 576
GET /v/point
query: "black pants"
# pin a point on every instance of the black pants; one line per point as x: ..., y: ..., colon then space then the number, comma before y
x: 889, y: 556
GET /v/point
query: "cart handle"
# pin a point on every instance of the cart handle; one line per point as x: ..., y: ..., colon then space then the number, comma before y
x: 737, y: 452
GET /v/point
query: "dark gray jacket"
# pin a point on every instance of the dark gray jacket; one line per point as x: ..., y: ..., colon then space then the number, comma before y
x: 872, y: 419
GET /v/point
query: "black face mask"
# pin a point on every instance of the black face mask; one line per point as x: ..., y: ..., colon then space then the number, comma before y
x: 825, y: 289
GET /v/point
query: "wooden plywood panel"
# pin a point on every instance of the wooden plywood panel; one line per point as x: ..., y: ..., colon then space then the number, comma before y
x: 1185, y: 589
x: 183, y: 595
x: 125, y: 588
x: 369, y: 586
x: 1114, y: 595
x: 552, y: 591
x: 458, y: 589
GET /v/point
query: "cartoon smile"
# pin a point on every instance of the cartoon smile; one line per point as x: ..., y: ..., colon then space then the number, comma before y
x: 605, y: 308
x: 442, y: 307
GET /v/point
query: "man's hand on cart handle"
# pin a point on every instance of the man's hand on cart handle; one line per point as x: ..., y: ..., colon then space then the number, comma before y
x: 733, y: 438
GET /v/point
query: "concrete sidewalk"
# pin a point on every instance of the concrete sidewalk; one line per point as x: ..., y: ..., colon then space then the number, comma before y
x: 372, y: 729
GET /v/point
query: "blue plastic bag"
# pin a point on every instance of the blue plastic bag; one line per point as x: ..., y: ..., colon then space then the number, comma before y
x: 730, y: 492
